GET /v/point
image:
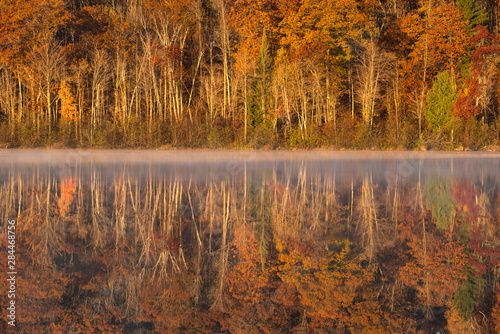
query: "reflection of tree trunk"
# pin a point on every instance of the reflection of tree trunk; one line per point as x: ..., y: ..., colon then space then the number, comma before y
x: 210, y: 203
x: 198, y: 278
x: 395, y: 205
x: 95, y: 193
x: 330, y: 198
x: 316, y: 201
x: 351, y: 204
x: 120, y: 211
x: 424, y: 245
x: 245, y: 194
x: 47, y: 240
x: 367, y: 224
x: 79, y: 202
x: 262, y: 225
x: 223, y: 250
x: 46, y: 225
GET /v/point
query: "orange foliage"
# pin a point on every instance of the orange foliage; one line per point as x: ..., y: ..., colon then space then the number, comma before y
x: 432, y: 44
x: 17, y: 37
x: 68, y: 191
x: 249, y: 18
x: 322, y: 29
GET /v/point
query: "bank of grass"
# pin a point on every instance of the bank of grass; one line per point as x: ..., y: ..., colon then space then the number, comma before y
x: 346, y: 133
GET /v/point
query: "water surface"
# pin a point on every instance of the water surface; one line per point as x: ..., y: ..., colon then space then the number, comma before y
x: 253, y: 242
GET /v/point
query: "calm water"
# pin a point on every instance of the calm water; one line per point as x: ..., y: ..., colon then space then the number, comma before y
x: 251, y: 242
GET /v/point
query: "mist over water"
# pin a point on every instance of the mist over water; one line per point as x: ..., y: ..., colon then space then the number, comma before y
x: 244, y: 241
x: 200, y: 164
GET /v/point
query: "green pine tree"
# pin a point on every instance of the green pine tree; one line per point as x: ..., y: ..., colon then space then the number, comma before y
x: 439, y: 103
x: 472, y: 13
x: 261, y: 93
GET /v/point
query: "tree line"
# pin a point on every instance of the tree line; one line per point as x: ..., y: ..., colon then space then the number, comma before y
x: 241, y: 73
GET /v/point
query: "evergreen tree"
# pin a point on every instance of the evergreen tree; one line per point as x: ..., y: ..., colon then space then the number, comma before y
x: 471, y: 12
x: 261, y: 96
x: 439, y: 103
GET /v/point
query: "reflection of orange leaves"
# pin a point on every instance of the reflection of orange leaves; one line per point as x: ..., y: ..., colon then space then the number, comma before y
x: 169, y: 244
x: 68, y: 190
x: 332, y: 287
x: 441, y: 264
x: 246, y: 281
x: 495, y: 313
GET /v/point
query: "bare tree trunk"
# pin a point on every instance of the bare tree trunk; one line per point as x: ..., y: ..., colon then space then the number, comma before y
x: 47, y: 63
x: 420, y: 105
x: 100, y: 76
x: 225, y: 47
x: 8, y: 98
x: 370, y: 72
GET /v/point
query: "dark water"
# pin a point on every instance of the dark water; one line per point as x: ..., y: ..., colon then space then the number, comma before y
x: 251, y: 242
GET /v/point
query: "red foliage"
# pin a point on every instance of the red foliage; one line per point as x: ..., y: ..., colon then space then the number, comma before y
x: 465, y: 106
x: 486, y: 45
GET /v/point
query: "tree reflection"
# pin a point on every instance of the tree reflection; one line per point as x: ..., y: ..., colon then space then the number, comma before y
x: 271, y: 250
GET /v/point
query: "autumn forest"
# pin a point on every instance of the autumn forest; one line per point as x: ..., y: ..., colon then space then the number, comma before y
x: 399, y: 74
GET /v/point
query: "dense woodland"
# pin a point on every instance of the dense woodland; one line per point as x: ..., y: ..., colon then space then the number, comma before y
x: 250, y: 73
x: 281, y: 251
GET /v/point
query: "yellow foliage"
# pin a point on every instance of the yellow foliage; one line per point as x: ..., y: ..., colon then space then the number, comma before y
x: 68, y: 110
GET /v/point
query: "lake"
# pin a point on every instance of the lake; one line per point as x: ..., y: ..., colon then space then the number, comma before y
x: 250, y: 241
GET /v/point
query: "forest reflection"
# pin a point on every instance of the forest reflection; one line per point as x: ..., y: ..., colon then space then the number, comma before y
x: 278, y: 246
